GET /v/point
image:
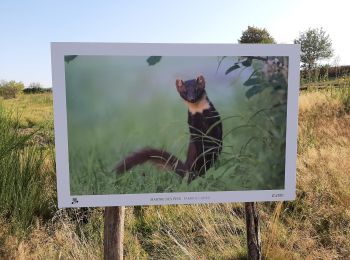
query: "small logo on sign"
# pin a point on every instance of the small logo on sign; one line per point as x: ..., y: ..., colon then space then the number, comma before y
x: 74, y: 201
x: 278, y: 195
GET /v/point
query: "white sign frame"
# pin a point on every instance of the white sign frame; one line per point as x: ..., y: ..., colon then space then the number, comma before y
x: 65, y: 199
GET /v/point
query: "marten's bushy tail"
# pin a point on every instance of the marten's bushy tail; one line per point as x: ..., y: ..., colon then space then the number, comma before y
x: 158, y: 157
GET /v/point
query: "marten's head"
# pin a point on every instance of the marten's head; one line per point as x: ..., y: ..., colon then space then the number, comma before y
x: 191, y: 90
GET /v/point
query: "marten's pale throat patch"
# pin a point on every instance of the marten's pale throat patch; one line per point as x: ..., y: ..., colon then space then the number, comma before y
x: 199, y: 106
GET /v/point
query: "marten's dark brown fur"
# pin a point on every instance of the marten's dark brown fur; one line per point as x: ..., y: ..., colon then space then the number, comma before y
x: 205, y: 136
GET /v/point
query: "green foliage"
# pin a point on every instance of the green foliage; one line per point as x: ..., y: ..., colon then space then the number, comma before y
x: 23, y: 175
x: 257, y: 143
x: 152, y: 60
x: 264, y: 130
x: 232, y: 68
x: 36, y: 90
x: 13, y: 84
x: 256, y: 35
x: 274, y: 75
x: 36, y: 87
x: 8, y: 92
x: 315, y: 46
x: 237, y: 65
x: 10, y: 89
x: 69, y: 58
x: 343, y: 94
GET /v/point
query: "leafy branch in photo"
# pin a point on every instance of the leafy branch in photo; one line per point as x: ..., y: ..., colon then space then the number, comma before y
x: 257, y: 138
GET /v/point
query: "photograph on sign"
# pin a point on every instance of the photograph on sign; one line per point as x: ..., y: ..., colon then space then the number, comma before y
x: 183, y: 125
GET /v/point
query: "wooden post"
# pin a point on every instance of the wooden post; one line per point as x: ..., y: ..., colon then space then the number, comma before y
x: 114, y: 233
x: 253, y: 231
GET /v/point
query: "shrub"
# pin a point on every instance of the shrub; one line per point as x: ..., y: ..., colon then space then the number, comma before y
x: 10, y: 89
x: 8, y: 92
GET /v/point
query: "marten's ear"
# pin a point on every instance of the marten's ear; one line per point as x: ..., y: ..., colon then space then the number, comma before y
x: 180, y: 85
x: 201, y: 82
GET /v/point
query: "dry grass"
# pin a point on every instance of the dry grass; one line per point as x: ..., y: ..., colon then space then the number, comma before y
x: 191, y: 232
x: 317, y: 224
x: 55, y: 240
x: 32, y: 109
x: 317, y: 102
x: 314, y: 226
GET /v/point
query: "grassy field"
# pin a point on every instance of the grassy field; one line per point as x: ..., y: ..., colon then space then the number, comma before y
x: 314, y: 226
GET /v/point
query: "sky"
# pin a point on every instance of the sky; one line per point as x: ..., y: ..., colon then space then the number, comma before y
x: 28, y: 27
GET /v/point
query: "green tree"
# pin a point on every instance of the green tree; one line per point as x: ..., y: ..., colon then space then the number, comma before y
x: 35, y: 85
x: 19, y: 86
x: 315, y: 46
x: 10, y: 89
x: 12, y: 84
x: 256, y: 35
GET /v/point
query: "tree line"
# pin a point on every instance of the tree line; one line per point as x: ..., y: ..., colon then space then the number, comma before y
x: 316, y: 46
x: 10, y: 89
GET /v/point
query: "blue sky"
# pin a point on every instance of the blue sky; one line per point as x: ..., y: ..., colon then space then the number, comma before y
x: 28, y: 27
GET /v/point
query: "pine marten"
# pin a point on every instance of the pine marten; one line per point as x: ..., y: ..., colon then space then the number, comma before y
x: 205, y: 136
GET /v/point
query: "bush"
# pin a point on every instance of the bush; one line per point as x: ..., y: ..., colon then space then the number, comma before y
x: 10, y: 89
x: 325, y: 72
x: 8, y: 92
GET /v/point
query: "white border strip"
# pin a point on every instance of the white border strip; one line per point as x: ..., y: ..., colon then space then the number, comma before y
x: 59, y: 50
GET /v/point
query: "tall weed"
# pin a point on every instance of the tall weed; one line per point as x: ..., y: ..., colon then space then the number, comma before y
x: 24, y: 175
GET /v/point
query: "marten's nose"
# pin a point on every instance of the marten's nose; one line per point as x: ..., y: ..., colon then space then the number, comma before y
x: 192, y: 99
